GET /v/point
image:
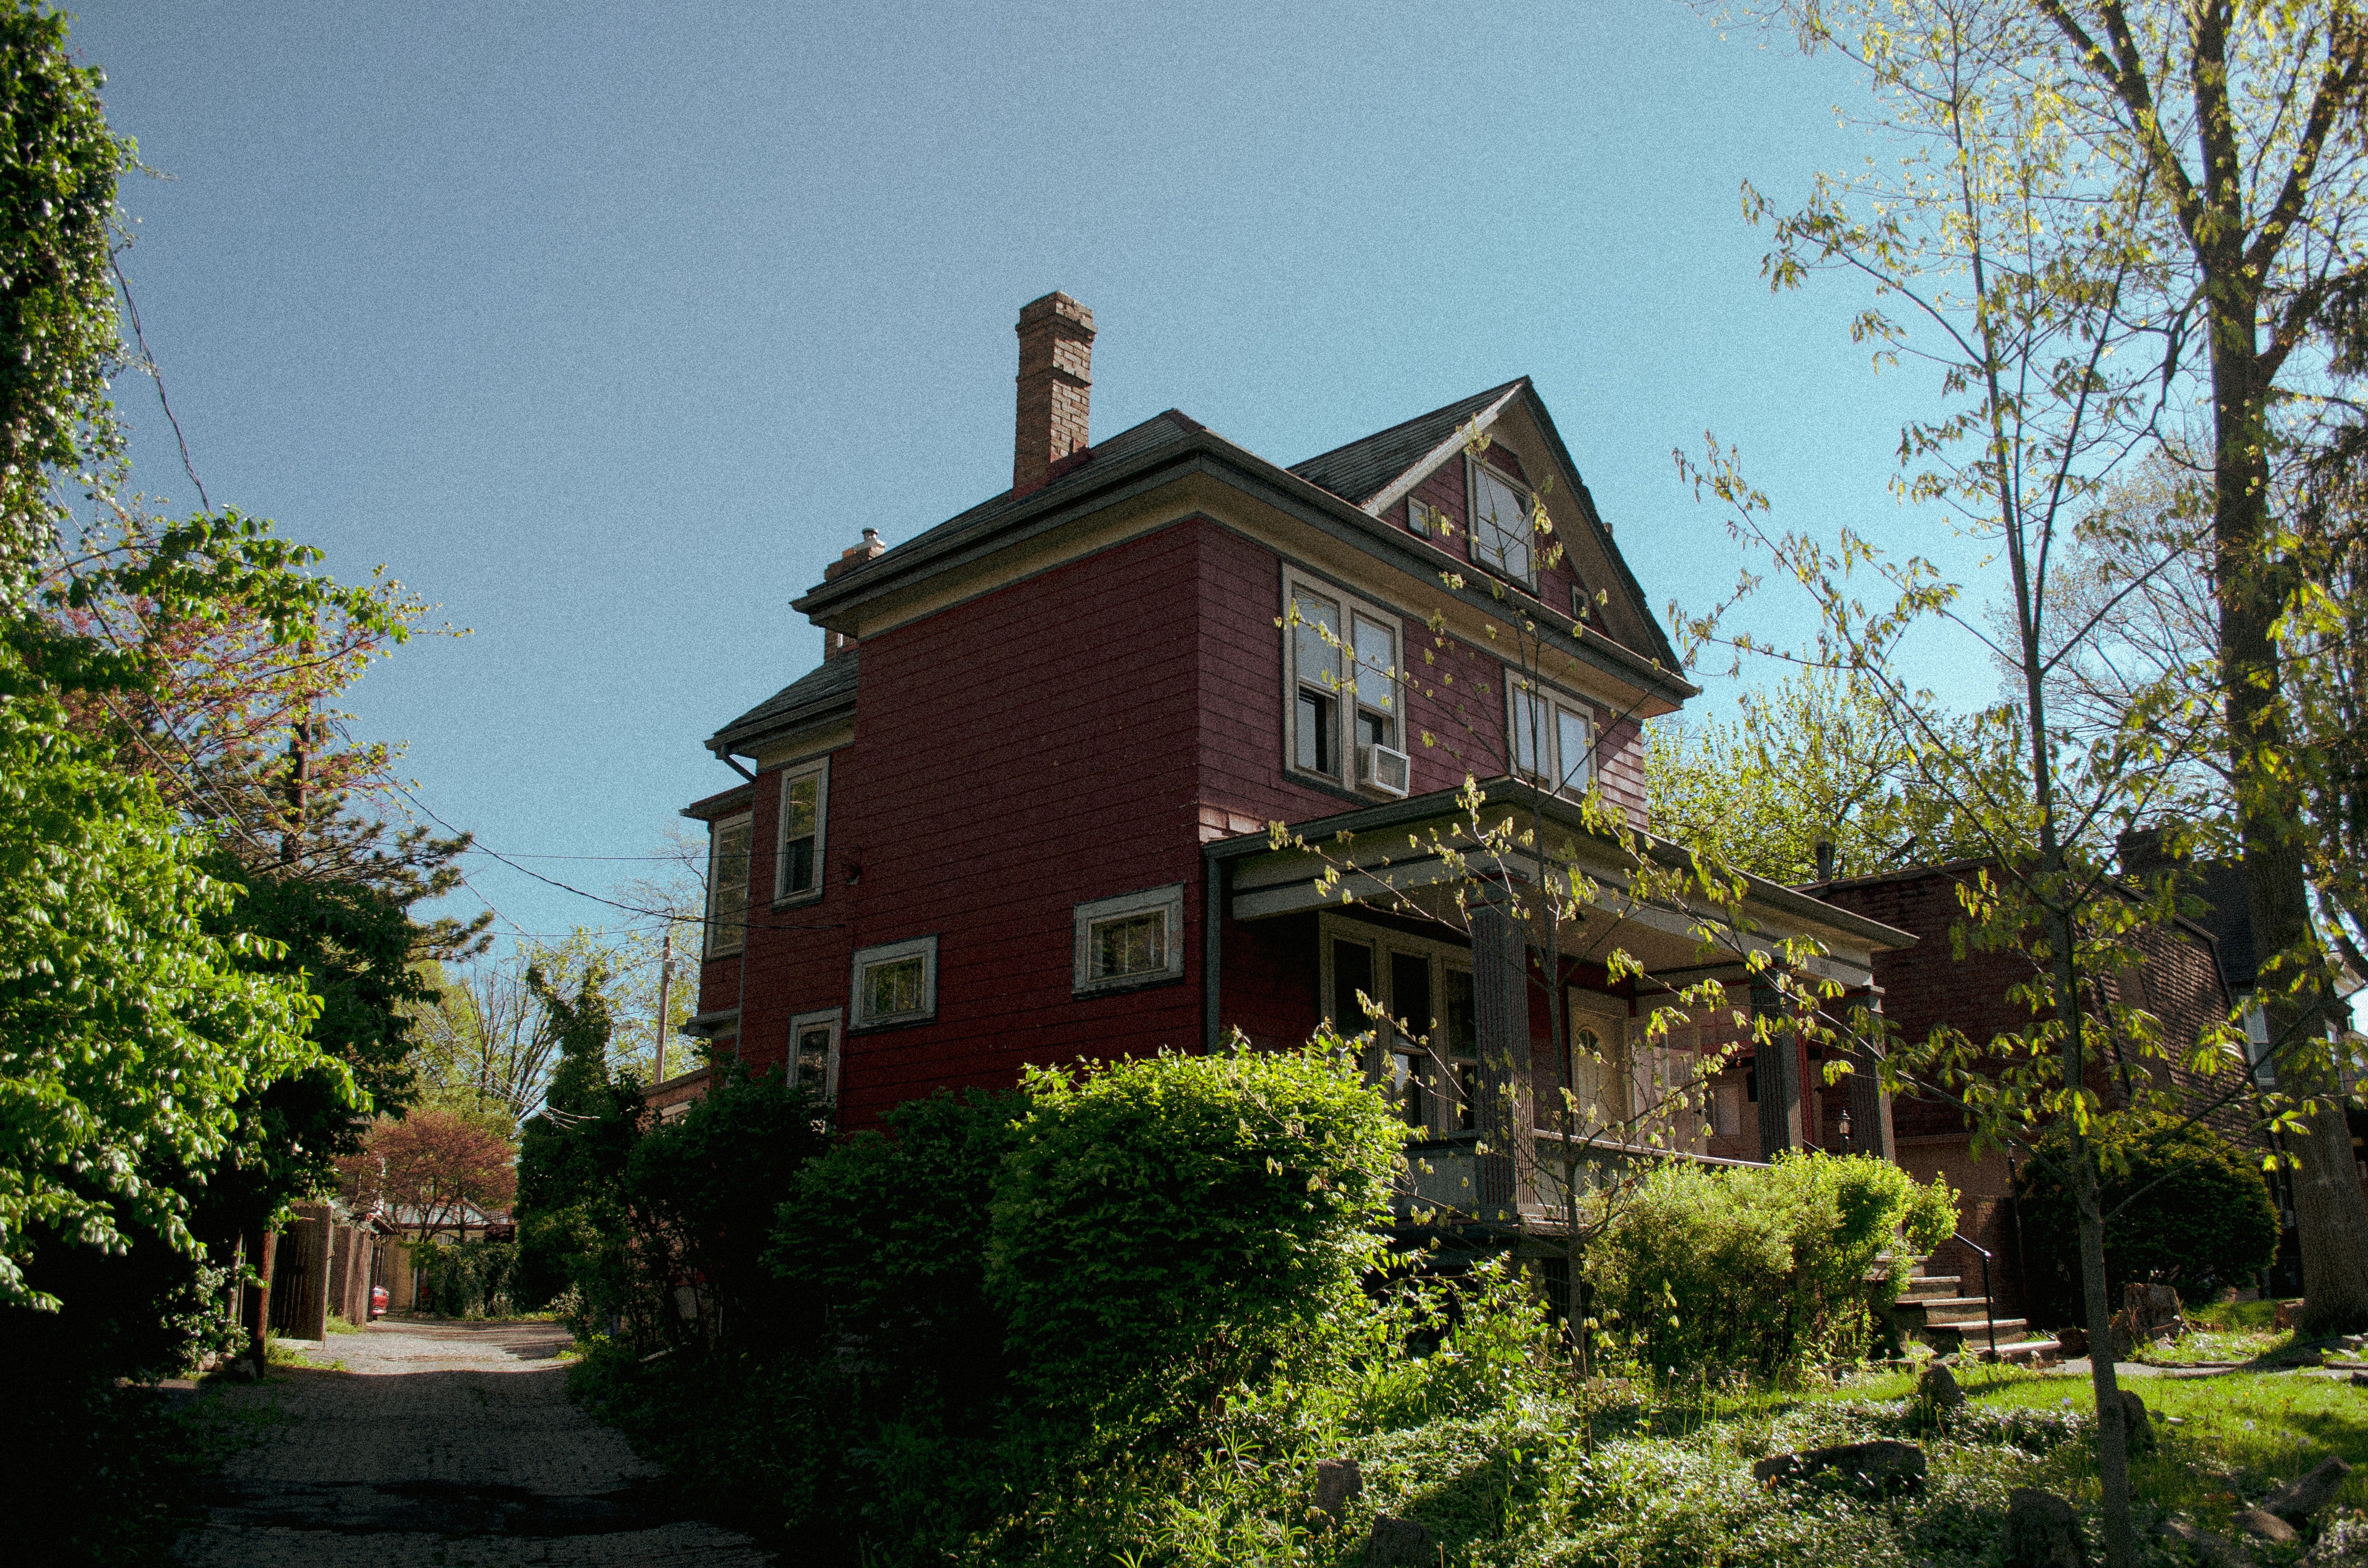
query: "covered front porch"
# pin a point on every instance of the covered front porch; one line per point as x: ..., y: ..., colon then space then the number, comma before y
x: 1417, y: 925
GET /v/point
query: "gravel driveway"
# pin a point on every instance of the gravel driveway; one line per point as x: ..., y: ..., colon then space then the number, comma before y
x: 448, y: 1444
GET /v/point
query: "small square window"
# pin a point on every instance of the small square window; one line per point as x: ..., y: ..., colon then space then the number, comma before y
x: 1418, y: 517
x: 897, y: 982
x: 1135, y: 939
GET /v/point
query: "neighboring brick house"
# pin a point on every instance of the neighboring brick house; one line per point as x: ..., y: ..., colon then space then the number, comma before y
x: 1926, y: 987
x: 1018, y: 814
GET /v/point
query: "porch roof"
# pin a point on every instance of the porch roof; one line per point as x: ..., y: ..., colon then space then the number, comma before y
x: 1388, y: 850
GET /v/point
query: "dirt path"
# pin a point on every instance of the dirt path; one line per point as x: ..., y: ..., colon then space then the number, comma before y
x: 444, y: 1444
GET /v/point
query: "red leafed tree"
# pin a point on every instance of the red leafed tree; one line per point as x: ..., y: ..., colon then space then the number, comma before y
x: 428, y: 1169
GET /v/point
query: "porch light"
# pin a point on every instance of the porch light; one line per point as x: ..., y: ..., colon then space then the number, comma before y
x: 1845, y: 1125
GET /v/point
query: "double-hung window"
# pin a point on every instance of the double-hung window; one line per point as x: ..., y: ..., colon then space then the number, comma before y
x: 1135, y: 939
x: 1346, y: 699
x: 727, y: 887
x: 1551, y: 736
x: 1501, y: 527
x: 897, y: 982
x: 813, y: 1054
x: 797, y: 861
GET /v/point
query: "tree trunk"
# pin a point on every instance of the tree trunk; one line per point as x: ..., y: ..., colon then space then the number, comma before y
x: 2112, y: 1433
x: 2330, y: 1212
x: 263, y: 1256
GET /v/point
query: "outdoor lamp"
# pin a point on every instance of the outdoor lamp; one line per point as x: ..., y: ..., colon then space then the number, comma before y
x: 1845, y: 1124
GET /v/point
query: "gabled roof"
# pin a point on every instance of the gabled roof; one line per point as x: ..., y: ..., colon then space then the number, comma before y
x: 1375, y: 472
x: 1167, y: 444
x: 810, y: 696
x: 1363, y: 469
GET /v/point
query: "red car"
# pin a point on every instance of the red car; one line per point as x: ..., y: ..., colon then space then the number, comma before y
x: 378, y: 1301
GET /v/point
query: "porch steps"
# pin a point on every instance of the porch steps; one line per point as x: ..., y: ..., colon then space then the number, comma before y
x: 1933, y: 1308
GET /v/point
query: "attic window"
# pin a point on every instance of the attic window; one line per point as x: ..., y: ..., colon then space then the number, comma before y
x: 1500, y: 524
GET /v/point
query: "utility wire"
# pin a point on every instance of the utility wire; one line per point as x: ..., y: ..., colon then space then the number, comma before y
x: 148, y: 363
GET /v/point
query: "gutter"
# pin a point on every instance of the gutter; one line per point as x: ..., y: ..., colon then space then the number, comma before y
x: 1089, y: 488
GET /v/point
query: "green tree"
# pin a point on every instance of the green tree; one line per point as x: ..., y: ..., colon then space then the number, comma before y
x: 2209, y: 144
x: 2188, y: 1209
x: 133, y: 1022
x: 59, y: 163
x: 2004, y: 251
x: 1813, y: 779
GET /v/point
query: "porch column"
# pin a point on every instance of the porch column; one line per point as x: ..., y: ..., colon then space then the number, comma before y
x: 1869, y: 1103
x: 1776, y: 1071
x: 1500, y: 1024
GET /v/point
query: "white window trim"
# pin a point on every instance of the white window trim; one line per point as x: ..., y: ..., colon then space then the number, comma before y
x: 1557, y: 702
x: 819, y: 771
x: 833, y: 1019
x: 719, y: 944
x: 1442, y: 957
x: 1474, y: 465
x: 1169, y: 901
x: 1344, y: 706
x: 889, y: 952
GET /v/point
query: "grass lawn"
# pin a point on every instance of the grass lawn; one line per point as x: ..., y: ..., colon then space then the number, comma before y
x: 2228, y: 1438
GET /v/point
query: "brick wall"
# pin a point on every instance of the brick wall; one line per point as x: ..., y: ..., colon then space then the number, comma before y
x: 1061, y: 739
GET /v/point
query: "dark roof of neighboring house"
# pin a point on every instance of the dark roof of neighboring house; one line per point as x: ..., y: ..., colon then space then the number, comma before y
x: 2229, y: 919
x: 720, y: 803
x: 2236, y: 962
x: 830, y: 685
x: 1363, y: 469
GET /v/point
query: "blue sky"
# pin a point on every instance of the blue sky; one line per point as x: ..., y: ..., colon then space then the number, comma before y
x: 604, y: 327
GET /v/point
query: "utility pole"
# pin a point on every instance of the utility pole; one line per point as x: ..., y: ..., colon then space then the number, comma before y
x: 666, y: 995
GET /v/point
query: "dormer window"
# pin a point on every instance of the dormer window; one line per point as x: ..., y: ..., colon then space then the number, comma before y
x: 1500, y: 523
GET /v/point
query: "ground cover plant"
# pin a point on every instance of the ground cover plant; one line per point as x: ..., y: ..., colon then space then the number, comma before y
x: 1123, y: 1315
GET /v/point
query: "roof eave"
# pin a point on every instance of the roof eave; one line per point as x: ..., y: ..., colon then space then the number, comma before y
x: 1204, y: 451
x: 1566, y: 814
x: 738, y: 741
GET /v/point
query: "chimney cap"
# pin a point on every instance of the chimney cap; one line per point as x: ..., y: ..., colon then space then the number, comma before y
x: 1054, y: 305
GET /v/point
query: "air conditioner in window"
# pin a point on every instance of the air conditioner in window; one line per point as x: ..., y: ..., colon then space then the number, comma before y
x: 1379, y: 767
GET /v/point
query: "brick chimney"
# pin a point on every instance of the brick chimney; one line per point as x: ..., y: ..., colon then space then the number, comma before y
x: 834, y: 644
x: 1056, y: 381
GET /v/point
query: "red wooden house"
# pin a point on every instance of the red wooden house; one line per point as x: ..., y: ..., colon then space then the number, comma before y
x: 1019, y: 813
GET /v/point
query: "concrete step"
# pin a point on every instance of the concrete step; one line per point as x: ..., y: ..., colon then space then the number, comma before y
x: 2022, y: 1350
x: 1972, y: 1336
x: 1940, y: 1306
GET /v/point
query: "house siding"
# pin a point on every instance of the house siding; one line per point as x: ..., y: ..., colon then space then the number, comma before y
x: 1013, y: 756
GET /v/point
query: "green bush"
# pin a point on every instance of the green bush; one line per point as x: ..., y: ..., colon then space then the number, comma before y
x: 1165, y: 1223
x: 2186, y: 1208
x: 1001, y: 1286
x: 468, y: 1279
x: 1760, y: 1269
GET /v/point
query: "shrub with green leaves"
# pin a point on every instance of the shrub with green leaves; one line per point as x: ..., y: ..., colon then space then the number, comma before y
x: 1165, y: 1223
x: 2184, y: 1207
x: 468, y: 1279
x: 1760, y: 1268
